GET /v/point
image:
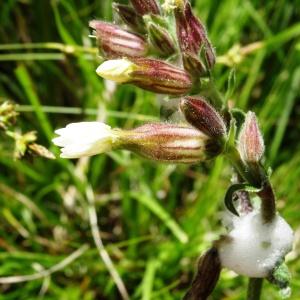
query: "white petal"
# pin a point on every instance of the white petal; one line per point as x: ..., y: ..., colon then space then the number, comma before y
x: 85, y: 139
x: 117, y: 70
x: 60, y: 141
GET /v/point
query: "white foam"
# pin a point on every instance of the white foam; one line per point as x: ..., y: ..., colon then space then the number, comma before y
x: 253, y: 247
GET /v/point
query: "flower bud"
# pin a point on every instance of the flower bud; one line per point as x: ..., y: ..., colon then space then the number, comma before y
x: 185, y: 36
x: 250, y: 142
x: 130, y: 17
x: 149, y: 74
x: 116, y: 42
x: 170, y: 143
x: 160, y: 39
x: 145, y: 7
x: 192, y: 35
x: 210, y: 55
x: 193, y: 64
x: 199, y: 33
x: 203, y: 116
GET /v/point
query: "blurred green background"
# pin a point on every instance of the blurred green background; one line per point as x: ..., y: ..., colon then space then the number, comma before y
x: 146, y: 211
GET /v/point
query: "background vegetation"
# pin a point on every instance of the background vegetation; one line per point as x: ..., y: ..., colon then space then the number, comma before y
x: 146, y: 211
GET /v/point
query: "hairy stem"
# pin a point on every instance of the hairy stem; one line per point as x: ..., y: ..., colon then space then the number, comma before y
x: 267, y: 197
x: 254, y: 288
x: 234, y: 158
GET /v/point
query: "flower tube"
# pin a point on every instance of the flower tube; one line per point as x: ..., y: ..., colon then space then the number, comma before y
x: 149, y: 74
x: 117, y: 42
x: 156, y: 141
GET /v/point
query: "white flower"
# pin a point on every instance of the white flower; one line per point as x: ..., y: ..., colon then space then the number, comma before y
x: 253, y: 247
x: 117, y: 70
x: 85, y: 139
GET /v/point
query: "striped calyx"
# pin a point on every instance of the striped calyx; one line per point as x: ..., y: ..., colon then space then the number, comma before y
x: 250, y: 142
x: 149, y: 74
x: 160, y: 77
x: 192, y: 36
x: 116, y: 42
x: 160, y: 39
x: 130, y: 17
x: 145, y: 7
x: 200, y: 114
x: 169, y: 143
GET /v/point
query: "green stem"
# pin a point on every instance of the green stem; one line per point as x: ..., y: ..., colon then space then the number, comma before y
x: 50, y: 46
x: 234, y: 157
x: 254, y: 288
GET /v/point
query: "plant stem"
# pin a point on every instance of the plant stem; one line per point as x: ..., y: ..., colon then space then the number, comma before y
x: 51, y: 46
x: 233, y: 156
x: 268, y: 206
x: 254, y: 288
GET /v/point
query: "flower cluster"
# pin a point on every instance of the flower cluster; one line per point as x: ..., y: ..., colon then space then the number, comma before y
x: 24, y: 143
x: 170, y: 57
x: 189, y: 51
x: 133, y: 54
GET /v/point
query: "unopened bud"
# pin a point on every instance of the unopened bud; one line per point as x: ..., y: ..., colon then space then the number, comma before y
x: 149, y: 74
x: 192, y: 35
x: 117, y: 42
x: 200, y: 35
x: 170, y: 143
x: 145, y: 7
x: 193, y: 64
x: 203, y: 116
x: 130, y: 17
x: 160, y: 39
x: 207, y: 276
x: 250, y: 143
x: 210, y: 55
x: 186, y: 39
